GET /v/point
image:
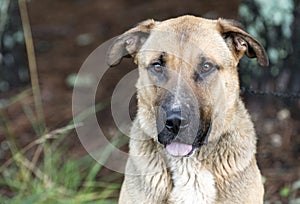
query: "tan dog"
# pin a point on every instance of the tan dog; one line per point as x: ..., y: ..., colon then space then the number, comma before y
x: 192, y: 140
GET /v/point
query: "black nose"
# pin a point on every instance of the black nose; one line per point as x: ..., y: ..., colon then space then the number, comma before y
x: 175, y: 121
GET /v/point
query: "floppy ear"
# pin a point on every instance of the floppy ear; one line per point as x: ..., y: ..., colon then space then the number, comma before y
x: 129, y: 43
x: 241, y: 42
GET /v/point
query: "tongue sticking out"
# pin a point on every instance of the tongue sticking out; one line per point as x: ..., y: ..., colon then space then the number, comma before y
x: 178, y: 149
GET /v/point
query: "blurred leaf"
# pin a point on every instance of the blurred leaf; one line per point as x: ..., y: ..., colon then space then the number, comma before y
x: 80, y: 81
x: 19, y: 36
x: 285, y: 192
x: 264, y: 179
x: 296, y: 185
x: 85, y: 39
x: 296, y: 201
x: 8, y: 41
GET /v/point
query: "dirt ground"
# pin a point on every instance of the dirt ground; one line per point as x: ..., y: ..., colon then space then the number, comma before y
x: 57, y: 26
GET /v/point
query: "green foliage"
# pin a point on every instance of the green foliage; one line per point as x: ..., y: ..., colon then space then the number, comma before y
x: 47, y: 175
x: 13, y: 68
x: 80, y: 81
x: 270, y: 22
x: 285, y: 192
x: 291, y: 192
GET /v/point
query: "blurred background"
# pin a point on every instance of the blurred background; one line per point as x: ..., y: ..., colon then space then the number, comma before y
x: 41, y: 157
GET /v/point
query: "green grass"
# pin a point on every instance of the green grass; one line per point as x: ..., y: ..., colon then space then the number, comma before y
x: 41, y: 173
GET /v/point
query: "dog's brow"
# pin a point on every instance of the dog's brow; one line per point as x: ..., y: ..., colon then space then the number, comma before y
x: 161, y: 58
x: 203, y: 59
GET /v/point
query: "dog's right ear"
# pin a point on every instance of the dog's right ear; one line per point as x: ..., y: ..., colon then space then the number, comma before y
x: 129, y: 43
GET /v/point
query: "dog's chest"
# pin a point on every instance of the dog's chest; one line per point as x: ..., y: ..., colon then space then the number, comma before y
x: 192, y: 183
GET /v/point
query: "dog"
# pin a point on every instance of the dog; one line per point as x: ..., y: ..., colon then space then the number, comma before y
x: 192, y: 140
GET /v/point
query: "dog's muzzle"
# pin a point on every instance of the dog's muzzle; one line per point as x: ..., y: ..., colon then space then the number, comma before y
x: 180, y: 130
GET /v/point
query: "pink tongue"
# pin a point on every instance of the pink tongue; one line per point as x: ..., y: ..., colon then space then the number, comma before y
x: 179, y: 149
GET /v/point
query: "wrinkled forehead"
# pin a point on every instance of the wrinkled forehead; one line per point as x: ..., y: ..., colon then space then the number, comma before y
x: 187, y: 40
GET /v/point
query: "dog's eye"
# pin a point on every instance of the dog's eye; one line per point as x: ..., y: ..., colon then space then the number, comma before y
x: 207, y: 66
x: 157, y: 66
x: 204, y: 69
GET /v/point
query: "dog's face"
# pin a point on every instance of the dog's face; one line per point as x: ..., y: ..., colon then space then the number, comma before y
x: 188, y: 76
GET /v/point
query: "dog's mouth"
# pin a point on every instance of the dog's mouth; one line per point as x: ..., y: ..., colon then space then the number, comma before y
x: 179, y: 149
x: 182, y: 129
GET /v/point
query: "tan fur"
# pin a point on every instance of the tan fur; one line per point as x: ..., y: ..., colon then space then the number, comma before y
x: 222, y: 171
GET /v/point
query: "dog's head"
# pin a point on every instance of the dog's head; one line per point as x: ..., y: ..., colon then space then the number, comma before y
x: 188, y: 76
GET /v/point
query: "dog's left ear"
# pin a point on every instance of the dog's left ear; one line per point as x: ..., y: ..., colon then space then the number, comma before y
x: 128, y: 44
x: 241, y: 42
